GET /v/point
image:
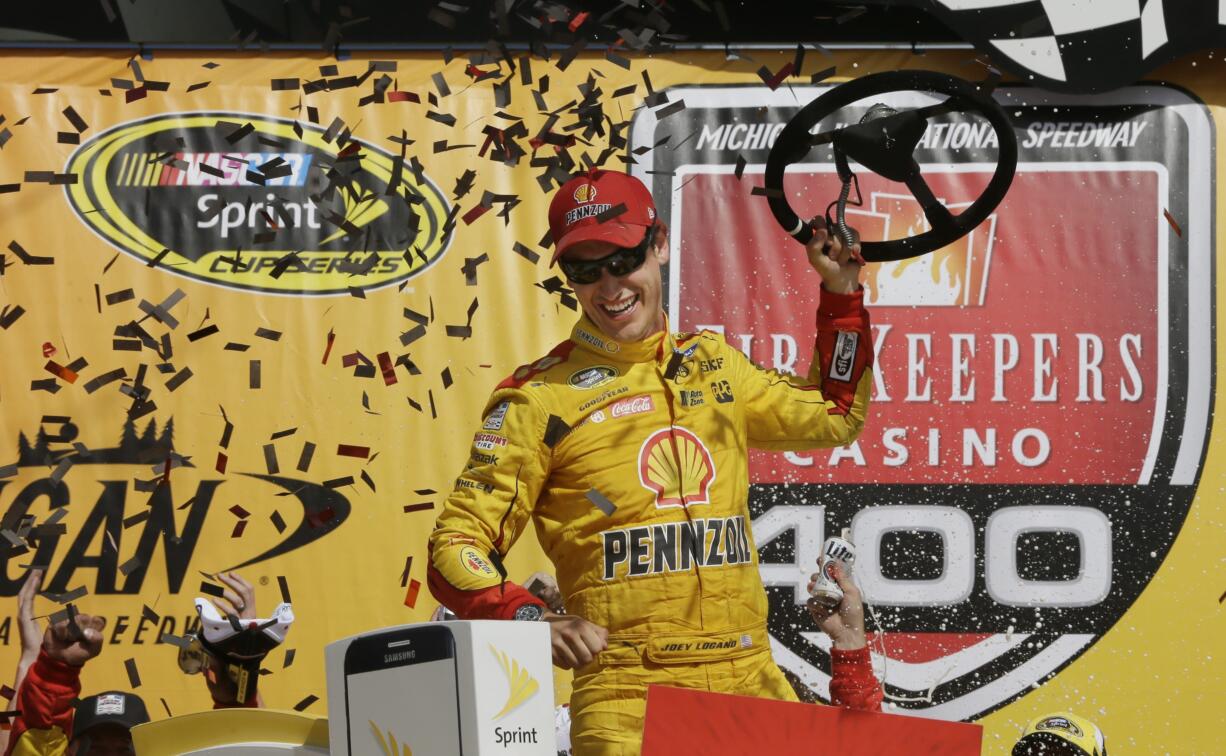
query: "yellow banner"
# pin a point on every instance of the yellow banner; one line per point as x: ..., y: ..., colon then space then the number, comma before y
x: 253, y: 307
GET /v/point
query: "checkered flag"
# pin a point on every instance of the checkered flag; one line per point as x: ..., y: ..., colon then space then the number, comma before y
x: 1084, y: 45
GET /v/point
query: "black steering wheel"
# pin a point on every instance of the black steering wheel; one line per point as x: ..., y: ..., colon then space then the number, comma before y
x: 884, y: 143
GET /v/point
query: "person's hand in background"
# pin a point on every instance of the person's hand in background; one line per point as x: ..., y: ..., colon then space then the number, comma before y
x: 76, y: 640
x: 238, y: 597
x: 545, y: 587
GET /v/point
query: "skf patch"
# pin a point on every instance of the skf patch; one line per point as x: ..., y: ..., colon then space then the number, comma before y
x: 710, y: 366
x: 844, y: 356
x: 494, y: 420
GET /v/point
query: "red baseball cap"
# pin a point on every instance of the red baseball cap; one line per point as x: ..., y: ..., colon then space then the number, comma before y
x: 574, y: 210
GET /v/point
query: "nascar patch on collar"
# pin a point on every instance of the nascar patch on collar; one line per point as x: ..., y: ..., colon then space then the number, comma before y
x: 590, y: 378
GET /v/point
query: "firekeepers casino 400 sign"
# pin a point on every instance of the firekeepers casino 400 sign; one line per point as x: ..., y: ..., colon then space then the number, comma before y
x: 1042, y: 386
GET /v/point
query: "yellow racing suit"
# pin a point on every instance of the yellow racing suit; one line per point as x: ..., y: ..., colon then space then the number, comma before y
x: 632, y: 461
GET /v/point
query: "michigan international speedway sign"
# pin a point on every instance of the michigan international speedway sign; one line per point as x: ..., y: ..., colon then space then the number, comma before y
x: 251, y: 309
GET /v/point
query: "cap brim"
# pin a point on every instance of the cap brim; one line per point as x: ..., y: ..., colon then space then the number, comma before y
x: 613, y: 232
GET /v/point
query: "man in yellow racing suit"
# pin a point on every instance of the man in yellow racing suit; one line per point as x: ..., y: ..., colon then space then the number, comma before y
x: 627, y: 446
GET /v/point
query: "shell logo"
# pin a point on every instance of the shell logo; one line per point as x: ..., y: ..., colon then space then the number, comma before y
x: 677, y: 467
x: 585, y: 193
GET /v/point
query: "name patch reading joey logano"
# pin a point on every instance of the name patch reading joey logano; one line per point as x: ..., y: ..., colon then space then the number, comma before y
x: 675, y: 546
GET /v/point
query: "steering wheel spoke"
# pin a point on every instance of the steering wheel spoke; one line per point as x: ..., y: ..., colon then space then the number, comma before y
x: 937, y: 214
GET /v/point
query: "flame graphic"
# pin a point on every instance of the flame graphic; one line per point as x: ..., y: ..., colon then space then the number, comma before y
x: 677, y: 466
x: 522, y: 685
x: 389, y: 745
x: 951, y: 275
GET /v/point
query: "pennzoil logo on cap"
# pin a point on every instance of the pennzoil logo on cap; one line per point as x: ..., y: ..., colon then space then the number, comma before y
x: 249, y: 201
x: 585, y: 193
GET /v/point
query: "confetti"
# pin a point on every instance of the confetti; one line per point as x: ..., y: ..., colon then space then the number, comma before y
x: 387, y: 368
x: 601, y: 502
x: 773, y: 80
x: 668, y: 110
x: 822, y: 75
x: 133, y: 674
x: 254, y: 374
x: 205, y: 332
x: 270, y: 459
x: 26, y: 257
x: 410, y: 598
x: 278, y: 521
x: 304, y: 459
x: 178, y: 379
x: 123, y: 295
x: 328, y: 348
x: 130, y: 566
x: 283, y: 585
x: 306, y: 702
x: 289, y: 658
x: 210, y: 589
x: 526, y: 253
x: 1171, y: 220
x: 418, y: 507
x: 346, y: 450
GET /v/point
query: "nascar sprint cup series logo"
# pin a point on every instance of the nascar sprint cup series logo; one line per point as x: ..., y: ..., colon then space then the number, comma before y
x: 259, y: 203
x: 1036, y: 433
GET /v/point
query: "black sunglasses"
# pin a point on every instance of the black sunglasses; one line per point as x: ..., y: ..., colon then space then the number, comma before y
x: 621, y: 262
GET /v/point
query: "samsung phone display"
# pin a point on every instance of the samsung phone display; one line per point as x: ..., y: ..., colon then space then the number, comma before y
x: 392, y: 702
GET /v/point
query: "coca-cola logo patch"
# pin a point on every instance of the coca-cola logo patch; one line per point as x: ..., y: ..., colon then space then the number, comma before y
x: 1041, y: 387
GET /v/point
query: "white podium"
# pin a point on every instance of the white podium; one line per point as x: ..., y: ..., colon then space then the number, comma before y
x: 448, y: 688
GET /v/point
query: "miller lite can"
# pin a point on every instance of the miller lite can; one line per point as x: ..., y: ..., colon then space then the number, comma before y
x: 826, y: 590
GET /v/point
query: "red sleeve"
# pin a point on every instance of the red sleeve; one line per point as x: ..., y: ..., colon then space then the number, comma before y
x: 495, y: 602
x: 844, y: 346
x: 45, y: 699
x: 852, y: 684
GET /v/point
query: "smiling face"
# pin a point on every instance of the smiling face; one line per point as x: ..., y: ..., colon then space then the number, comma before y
x: 625, y: 308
